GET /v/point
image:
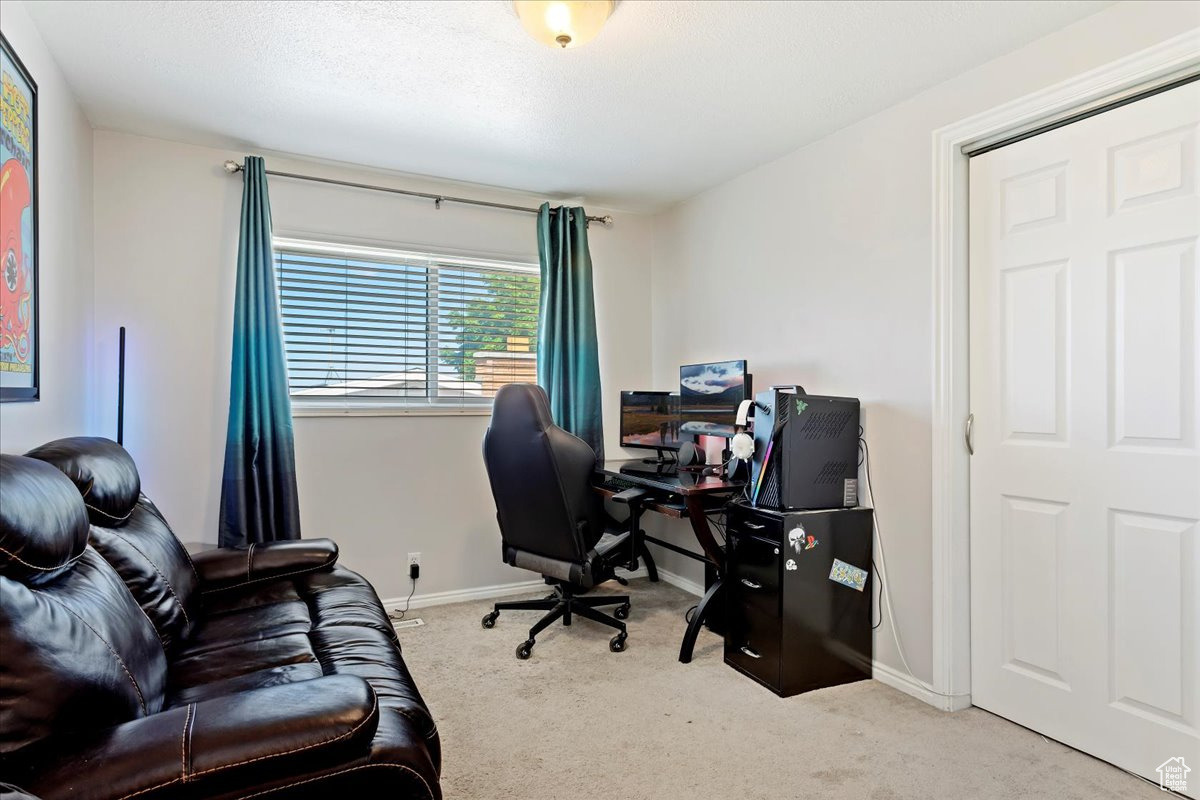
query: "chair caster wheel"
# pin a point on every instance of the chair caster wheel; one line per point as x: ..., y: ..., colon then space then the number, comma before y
x: 622, y: 611
x: 617, y: 643
x: 489, y: 620
x: 525, y: 649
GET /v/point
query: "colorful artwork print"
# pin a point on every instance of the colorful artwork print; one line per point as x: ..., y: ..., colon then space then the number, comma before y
x: 18, y: 230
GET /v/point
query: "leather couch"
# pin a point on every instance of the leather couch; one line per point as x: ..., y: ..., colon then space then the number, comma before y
x: 130, y: 670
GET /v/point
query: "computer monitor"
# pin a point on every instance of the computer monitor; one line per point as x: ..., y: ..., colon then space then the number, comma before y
x: 650, y: 420
x: 709, y: 395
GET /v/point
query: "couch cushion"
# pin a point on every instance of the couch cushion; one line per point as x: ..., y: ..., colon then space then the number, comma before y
x: 103, y: 472
x: 130, y: 532
x: 156, y: 568
x: 298, y: 628
x: 77, y: 653
x: 43, y: 524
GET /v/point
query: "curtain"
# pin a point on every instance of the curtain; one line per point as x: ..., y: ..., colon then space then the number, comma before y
x: 258, y: 489
x: 568, y: 364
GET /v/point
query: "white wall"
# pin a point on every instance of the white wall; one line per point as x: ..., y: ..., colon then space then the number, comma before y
x: 65, y: 254
x: 825, y: 257
x: 166, y: 240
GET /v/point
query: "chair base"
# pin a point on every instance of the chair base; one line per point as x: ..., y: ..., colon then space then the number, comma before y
x: 564, y: 604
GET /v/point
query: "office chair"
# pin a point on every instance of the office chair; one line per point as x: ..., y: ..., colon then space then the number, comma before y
x: 551, y: 520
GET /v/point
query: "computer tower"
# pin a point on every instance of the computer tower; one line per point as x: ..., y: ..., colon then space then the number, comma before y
x: 805, y: 450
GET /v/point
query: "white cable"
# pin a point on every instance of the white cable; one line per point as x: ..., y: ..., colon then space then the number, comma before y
x: 885, y: 584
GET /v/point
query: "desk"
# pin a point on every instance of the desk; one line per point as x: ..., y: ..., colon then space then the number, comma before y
x: 681, y: 495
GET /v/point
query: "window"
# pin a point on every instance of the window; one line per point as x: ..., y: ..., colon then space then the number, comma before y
x: 372, y: 328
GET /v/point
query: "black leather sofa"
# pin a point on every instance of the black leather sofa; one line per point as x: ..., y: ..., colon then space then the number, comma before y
x: 129, y: 670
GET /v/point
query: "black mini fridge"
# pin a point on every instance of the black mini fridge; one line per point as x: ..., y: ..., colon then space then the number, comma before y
x: 798, y: 589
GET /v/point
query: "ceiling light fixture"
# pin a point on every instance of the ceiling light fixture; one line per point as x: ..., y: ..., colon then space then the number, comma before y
x: 563, y: 23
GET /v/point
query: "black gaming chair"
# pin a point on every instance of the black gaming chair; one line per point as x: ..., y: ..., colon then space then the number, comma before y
x: 551, y: 520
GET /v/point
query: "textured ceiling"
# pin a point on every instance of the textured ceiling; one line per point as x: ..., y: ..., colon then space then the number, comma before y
x: 669, y: 99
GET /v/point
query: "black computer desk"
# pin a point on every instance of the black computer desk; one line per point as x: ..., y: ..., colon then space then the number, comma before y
x: 681, y: 495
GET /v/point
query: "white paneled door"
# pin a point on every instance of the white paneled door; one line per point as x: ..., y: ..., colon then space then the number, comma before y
x: 1085, y: 482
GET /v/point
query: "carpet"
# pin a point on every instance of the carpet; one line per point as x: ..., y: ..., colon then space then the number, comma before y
x: 578, y: 721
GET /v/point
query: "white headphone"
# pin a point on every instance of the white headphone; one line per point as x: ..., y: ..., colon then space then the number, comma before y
x: 742, y: 444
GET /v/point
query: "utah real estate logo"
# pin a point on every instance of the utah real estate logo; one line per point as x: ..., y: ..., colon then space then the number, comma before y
x: 1172, y: 775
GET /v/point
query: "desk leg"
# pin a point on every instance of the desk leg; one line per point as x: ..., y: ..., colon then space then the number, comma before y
x: 711, y: 598
x: 651, y: 567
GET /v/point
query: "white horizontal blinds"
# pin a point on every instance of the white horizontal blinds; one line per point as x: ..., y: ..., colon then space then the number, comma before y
x: 370, y: 327
x: 485, y: 328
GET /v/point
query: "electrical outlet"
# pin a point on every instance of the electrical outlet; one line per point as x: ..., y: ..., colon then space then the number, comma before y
x: 414, y: 558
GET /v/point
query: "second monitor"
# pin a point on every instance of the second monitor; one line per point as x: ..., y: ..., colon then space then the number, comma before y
x: 650, y: 420
x: 709, y: 395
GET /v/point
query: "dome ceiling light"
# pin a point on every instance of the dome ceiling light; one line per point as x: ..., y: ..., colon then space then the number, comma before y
x: 563, y: 23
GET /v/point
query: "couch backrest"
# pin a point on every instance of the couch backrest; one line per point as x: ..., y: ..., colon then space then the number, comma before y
x: 130, y: 532
x: 76, y: 651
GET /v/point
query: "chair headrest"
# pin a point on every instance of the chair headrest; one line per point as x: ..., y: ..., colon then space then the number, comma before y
x: 43, y: 523
x: 523, y: 405
x: 102, y: 471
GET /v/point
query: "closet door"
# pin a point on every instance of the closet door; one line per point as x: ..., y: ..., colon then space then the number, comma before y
x: 1085, y: 482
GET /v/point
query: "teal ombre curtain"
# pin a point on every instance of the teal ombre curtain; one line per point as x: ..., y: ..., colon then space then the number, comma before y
x: 568, y: 363
x: 258, y: 489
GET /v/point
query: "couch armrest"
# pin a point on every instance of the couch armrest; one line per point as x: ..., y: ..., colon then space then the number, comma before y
x: 233, y: 567
x: 237, y: 741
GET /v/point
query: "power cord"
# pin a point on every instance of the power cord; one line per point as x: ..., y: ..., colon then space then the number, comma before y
x: 885, y: 591
x: 414, y: 574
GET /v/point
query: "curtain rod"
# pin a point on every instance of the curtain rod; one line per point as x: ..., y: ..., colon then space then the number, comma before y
x: 232, y: 167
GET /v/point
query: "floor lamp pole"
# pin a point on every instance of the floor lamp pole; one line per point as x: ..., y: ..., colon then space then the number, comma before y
x: 121, y: 388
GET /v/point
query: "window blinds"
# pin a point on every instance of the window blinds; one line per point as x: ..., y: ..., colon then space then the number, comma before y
x: 372, y: 327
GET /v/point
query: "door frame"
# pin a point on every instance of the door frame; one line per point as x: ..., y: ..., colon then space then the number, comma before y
x: 951, y: 532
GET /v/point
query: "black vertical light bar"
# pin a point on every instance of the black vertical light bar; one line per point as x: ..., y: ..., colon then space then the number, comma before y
x: 121, y: 388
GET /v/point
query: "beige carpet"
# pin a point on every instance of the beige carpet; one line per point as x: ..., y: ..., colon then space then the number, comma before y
x: 578, y: 721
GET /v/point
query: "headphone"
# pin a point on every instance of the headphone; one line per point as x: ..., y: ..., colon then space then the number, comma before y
x: 742, y: 443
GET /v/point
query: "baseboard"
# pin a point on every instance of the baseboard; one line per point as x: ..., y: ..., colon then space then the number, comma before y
x: 488, y: 592
x: 919, y: 689
x: 679, y: 582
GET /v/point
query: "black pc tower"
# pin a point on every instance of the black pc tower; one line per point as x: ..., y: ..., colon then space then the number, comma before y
x: 805, y: 450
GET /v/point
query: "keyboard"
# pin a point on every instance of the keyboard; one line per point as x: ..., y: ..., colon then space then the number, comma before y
x: 617, y: 484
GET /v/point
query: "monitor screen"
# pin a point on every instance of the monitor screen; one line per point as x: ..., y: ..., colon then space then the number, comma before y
x: 709, y: 395
x: 650, y: 419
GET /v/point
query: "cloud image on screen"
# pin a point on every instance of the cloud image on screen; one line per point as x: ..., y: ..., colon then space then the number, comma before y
x: 710, y: 393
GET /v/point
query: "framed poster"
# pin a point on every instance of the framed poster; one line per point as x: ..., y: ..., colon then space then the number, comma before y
x: 19, y: 354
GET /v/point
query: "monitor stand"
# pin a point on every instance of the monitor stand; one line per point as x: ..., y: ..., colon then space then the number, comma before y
x: 660, y: 460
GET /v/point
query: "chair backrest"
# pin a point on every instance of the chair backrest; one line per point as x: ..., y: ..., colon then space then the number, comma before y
x: 541, y: 478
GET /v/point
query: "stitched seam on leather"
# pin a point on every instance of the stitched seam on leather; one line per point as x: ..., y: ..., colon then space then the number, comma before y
x: 25, y: 563
x: 321, y: 566
x: 183, y: 740
x: 150, y: 789
x: 332, y: 740
x: 249, y: 559
x: 351, y: 732
x: 145, y: 502
x: 161, y: 640
x: 91, y: 485
x: 421, y: 778
x: 170, y: 588
x: 128, y: 674
x: 110, y: 516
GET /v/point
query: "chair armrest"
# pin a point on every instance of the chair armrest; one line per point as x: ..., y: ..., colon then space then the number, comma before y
x: 237, y: 741
x: 233, y: 567
x: 629, y: 496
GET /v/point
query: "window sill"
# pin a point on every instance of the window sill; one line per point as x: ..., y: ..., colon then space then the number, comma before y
x: 388, y: 411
